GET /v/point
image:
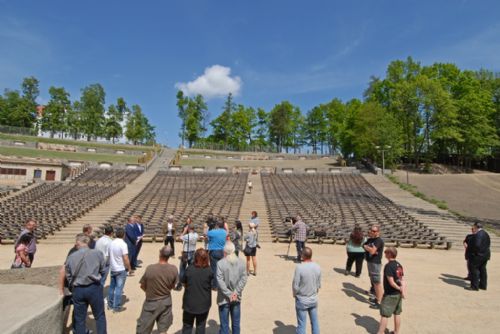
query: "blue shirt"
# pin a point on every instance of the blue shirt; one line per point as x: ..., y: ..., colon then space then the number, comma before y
x: 216, y: 239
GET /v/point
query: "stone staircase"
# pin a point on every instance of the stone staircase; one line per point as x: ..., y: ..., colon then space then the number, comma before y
x: 256, y: 202
x: 99, y: 215
x: 439, y: 220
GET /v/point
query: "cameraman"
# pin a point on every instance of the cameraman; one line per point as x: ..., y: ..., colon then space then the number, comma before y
x: 300, y: 229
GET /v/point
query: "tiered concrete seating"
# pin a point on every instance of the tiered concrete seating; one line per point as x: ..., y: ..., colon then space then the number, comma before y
x: 112, y: 176
x: 185, y: 194
x: 52, y: 205
x: 333, y: 204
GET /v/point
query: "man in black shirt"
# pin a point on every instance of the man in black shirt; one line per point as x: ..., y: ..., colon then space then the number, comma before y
x: 394, y: 291
x: 374, y: 247
x: 478, y: 258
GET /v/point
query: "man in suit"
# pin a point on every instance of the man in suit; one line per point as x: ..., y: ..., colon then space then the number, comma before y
x: 131, y: 240
x: 140, y: 234
x: 478, y: 258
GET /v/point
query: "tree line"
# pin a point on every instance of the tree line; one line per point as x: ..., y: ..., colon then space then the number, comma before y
x: 415, y: 114
x: 87, y: 117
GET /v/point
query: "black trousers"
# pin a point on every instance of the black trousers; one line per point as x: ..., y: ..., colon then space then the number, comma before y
x: 188, y: 321
x: 355, y: 257
x: 479, y: 275
x: 169, y: 240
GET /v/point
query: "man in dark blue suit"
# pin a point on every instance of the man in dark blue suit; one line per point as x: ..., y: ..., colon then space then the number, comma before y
x: 131, y: 240
x: 478, y: 258
x: 140, y: 234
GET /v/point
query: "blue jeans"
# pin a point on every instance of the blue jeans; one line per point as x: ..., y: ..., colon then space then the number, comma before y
x: 116, y: 289
x: 215, y: 256
x: 233, y: 309
x: 300, y: 246
x: 302, y: 312
x: 82, y: 297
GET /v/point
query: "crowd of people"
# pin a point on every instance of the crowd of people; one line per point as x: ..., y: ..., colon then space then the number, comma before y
x: 218, y: 267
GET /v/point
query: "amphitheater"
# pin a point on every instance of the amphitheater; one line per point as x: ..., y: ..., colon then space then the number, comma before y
x: 331, y: 199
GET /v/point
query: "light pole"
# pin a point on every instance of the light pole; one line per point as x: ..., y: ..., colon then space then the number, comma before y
x: 383, y: 148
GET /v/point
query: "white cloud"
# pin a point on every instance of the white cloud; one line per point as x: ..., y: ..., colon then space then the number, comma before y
x: 216, y: 81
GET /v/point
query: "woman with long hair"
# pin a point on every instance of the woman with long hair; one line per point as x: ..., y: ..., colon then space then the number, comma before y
x: 197, y: 298
x: 251, y: 248
x: 355, y: 251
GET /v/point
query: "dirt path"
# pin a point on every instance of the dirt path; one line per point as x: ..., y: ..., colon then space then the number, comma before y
x: 437, y: 302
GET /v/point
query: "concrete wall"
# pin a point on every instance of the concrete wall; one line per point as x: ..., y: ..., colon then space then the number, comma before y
x: 30, y: 309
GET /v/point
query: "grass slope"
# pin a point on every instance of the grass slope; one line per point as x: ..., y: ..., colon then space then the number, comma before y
x: 34, y: 153
x: 6, y: 136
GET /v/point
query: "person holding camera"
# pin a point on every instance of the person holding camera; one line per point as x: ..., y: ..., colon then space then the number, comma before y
x: 299, y: 229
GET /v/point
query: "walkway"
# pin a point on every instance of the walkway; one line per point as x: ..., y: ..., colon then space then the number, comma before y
x: 256, y: 201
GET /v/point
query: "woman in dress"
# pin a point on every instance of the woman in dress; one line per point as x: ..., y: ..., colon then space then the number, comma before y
x: 197, y: 297
x: 251, y: 248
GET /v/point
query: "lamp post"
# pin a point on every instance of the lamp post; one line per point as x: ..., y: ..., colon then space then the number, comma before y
x: 383, y: 148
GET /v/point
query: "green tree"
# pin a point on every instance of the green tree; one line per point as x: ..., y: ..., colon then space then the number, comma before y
x: 242, y: 122
x: 182, y: 102
x: 376, y: 129
x: 54, y: 113
x: 221, y: 126
x: 261, y: 128
x: 73, y: 121
x: 475, y: 117
x: 196, y: 114
x: 281, y: 125
x: 92, y: 111
x: 315, y: 128
x: 114, y: 118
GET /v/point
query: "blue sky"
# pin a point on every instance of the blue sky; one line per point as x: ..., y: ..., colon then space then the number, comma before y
x: 307, y: 52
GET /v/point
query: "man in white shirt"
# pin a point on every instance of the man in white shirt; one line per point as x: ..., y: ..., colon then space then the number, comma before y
x: 188, y: 248
x: 119, y: 265
x: 103, y: 245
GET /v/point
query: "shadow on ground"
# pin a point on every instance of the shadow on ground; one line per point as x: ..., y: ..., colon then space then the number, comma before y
x: 281, y: 328
x: 355, y: 292
x: 453, y: 280
x: 368, y: 323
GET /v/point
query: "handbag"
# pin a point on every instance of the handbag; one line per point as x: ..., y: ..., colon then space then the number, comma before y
x: 248, y: 250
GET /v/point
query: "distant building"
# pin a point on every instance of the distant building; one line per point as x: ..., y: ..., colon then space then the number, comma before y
x: 15, y: 170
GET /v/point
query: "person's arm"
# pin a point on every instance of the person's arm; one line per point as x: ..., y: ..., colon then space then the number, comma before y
x: 393, y: 283
x: 220, y: 282
x: 126, y: 262
x: 241, y: 282
x: 295, y: 282
x: 372, y: 250
x: 61, y: 279
x: 24, y: 258
x: 143, y: 280
x: 130, y: 234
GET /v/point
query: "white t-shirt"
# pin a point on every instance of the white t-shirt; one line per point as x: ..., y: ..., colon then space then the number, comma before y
x: 117, y: 249
x: 190, y: 242
x: 103, y: 245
